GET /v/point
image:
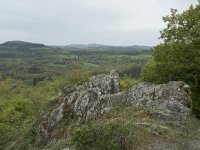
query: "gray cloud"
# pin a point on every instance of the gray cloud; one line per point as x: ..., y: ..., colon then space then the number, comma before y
x: 60, y: 22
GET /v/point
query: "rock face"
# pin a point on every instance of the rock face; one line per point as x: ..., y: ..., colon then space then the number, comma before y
x: 99, y: 95
x: 171, y: 98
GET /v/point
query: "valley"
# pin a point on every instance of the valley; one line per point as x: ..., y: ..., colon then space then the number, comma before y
x: 34, y: 63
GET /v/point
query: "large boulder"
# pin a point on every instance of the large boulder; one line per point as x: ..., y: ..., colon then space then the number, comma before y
x: 172, y: 98
x: 80, y: 103
x: 102, y: 93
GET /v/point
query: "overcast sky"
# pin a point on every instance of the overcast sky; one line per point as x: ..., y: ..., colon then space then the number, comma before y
x: 62, y: 22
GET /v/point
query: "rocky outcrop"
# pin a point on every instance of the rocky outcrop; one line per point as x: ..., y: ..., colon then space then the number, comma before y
x: 102, y: 93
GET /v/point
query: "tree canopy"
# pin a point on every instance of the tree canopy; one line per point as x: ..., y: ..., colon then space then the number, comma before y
x: 178, y: 57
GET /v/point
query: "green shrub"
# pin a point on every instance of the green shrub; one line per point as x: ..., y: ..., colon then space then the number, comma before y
x: 74, y: 78
x: 127, y: 82
x: 102, y: 136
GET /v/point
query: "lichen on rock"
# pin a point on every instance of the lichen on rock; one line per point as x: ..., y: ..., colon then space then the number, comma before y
x: 102, y: 93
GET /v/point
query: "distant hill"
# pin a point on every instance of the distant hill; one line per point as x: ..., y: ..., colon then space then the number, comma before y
x: 141, y: 47
x: 85, y: 45
x: 21, y: 45
x: 92, y: 46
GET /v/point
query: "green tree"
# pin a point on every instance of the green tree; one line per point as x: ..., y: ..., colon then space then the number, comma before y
x: 178, y: 57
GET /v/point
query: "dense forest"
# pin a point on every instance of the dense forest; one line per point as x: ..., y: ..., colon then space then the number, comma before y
x: 33, y: 63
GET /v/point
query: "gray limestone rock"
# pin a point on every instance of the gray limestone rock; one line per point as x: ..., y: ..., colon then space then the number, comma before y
x: 102, y: 93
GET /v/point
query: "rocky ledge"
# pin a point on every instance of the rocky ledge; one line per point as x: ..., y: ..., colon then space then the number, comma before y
x: 167, y: 102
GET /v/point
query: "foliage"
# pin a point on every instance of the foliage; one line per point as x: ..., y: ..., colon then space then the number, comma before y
x: 19, y: 107
x: 76, y: 77
x: 178, y: 58
x: 131, y: 128
x: 127, y: 82
x: 15, y: 115
x: 110, y: 132
x: 100, y: 136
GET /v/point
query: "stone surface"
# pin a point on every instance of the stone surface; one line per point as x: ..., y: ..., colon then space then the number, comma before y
x: 102, y: 93
x: 172, y: 98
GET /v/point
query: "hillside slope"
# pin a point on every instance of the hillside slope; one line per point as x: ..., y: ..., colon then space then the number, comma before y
x: 96, y: 115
